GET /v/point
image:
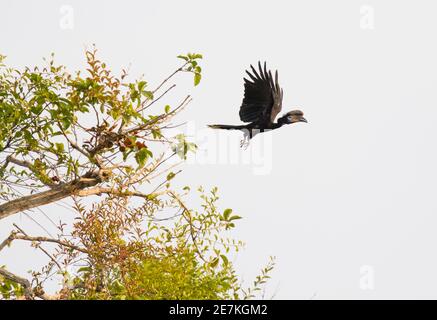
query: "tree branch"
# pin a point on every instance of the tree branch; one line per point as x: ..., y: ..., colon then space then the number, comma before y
x: 157, y: 99
x: 45, y: 239
x: 21, y: 281
x: 21, y: 163
x: 41, y: 248
x: 28, y: 165
x: 189, y: 219
x: 169, y: 77
x: 7, y: 241
x: 101, y: 190
x: 57, y: 193
x: 14, y: 236
x: 72, y: 143
x: 158, y: 118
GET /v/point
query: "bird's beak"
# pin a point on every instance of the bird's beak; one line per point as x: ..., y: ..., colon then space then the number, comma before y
x: 303, y: 120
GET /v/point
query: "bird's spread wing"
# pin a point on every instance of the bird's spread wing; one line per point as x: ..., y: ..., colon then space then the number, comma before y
x: 262, y: 96
x: 278, y: 94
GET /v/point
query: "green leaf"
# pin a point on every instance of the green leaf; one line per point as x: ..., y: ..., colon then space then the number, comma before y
x: 214, y: 262
x: 227, y: 213
x: 197, y: 56
x: 141, y: 156
x: 235, y: 218
x: 59, y: 147
x: 141, y: 85
x: 197, y: 78
x: 170, y: 176
x: 225, y: 259
x: 66, y: 123
x: 84, y: 269
x: 183, y: 57
x: 156, y: 133
x: 148, y: 94
x: 167, y: 109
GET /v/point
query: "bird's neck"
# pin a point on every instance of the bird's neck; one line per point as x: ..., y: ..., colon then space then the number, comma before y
x: 278, y: 124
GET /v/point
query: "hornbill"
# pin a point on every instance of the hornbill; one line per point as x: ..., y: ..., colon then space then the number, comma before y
x: 262, y: 102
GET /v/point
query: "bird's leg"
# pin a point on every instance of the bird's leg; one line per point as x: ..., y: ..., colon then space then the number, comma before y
x: 244, y: 143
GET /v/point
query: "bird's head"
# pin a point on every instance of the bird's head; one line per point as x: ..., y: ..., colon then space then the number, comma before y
x: 292, y: 117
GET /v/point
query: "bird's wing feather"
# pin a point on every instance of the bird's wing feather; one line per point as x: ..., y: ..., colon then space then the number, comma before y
x: 278, y: 94
x: 262, y: 96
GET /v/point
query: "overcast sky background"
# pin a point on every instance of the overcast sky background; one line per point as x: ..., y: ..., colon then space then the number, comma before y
x: 354, y: 187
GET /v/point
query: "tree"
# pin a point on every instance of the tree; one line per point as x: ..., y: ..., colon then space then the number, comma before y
x: 72, y: 136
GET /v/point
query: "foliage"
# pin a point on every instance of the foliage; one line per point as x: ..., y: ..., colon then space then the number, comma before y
x: 71, y: 135
x: 134, y: 255
x: 41, y: 110
x: 10, y: 289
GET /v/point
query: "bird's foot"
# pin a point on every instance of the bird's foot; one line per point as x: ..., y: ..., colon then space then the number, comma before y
x: 244, y: 143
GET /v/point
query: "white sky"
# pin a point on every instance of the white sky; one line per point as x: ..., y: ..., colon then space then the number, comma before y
x: 355, y: 187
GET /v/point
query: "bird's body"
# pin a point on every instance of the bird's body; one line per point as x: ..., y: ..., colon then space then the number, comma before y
x: 262, y: 102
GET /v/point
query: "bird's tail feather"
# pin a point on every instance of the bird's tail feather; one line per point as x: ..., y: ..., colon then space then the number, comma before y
x: 225, y: 127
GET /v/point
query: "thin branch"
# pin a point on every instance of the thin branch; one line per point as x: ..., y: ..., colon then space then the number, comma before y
x: 190, y: 223
x: 174, y: 126
x: 41, y: 248
x: 75, y: 146
x: 157, y: 99
x: 45, y: 239
x: 169, y: 77
x: 28, y: 165
x: 21, y: 281
x: 160, y: 117
x: 164, y: 182
x: 119, y: 193
x: 165, y: 170
x: 7, y: 241
x: 138, y: 179
x: 120, y: 129
x: 21, y: 163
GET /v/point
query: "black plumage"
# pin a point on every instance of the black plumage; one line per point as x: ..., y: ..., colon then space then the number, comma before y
x: 261, y: 104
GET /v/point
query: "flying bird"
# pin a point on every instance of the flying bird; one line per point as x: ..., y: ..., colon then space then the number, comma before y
x: 262, y: 102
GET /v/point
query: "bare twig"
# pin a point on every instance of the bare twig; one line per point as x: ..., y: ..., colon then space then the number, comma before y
x: 72, y: 143
x: 157, y: 99
x: 7, y: 241
x: 39, y: 247
x: 45, y: 239
x: 169, y: 77
x: 160, y: 117
x: 115, y: 192
x: 188, y: 218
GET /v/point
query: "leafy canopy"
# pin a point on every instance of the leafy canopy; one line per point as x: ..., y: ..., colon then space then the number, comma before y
x: 97, y: 134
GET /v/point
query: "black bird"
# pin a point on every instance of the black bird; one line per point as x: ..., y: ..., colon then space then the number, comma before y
x: 262, y: 102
